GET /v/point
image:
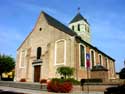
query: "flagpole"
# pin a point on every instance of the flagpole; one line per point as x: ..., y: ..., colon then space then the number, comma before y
x: 88, y: 67
x: 88, y: 80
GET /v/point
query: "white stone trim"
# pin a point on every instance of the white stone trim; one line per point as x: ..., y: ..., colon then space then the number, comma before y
x: 80, y: 54
x: 112, y: 68
x: 55, y: 59
x: 101, y: 59
x: 91, y: 58
x: 20, y: 59
x: 20, y: 56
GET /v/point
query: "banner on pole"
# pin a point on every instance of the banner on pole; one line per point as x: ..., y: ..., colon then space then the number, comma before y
x: 87, y: 60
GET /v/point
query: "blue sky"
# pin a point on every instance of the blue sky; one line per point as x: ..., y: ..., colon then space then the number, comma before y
x: 106, y: 18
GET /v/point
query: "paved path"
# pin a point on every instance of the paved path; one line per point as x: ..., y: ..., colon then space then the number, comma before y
x: 27, y: 91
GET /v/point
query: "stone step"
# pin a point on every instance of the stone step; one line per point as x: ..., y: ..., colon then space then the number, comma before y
x: 24, y: 85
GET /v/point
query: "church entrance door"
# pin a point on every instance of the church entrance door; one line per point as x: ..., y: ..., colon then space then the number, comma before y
x: 37, y: 73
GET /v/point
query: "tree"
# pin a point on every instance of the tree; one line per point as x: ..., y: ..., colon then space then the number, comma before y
x: 122, y: 73
x: 7, y: 63
x: 65, y: 71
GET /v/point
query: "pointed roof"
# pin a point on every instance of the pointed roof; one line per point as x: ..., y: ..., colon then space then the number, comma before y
x: 55, y: 23
x: 78, y: 17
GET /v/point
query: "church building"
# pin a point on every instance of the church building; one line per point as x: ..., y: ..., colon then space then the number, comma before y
x: 52, y: 44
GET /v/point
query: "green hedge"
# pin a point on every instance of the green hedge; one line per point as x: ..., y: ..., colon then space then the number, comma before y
x: 93, y: 80
x: 76, y: 82
x: 72, y: 80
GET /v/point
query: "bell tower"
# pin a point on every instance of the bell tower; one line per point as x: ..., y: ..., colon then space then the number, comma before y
x: 80, y: 25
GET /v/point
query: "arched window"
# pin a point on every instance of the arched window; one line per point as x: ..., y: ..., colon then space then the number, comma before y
x: 92, y: 58
x: 100, y: 59
x: 38, y: 52
x: 106, y: 62
x: 73, y: 27
x: 40, y: 29
x: 22, y: 58
x: 78, y: 27
x: 60, y: 52
x: 82, y: 56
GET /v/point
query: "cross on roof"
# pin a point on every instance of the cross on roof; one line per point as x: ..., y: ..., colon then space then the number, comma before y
x: 78, y: 9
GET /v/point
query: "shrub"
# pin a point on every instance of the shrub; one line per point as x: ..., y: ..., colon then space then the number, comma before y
x: 73, y: 81
x: 122, y: 73
x: 65, y: 71
x: 57, y: 86
x: 22, y: 80
x: 7, y: 79
x: 115, y: 90
x: 43, y: 81
x: 58, y: 80
x: 93, y: 80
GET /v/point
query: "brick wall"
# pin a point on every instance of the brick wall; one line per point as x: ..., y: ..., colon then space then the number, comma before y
x: 99, y: 75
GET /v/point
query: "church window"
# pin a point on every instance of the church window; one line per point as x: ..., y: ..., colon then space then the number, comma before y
x: 92, y: 54
x: 88, y: 29
x: 85, y: 27
x: 60, y: 52
x: 106, y: 62
x: 40, y: 29
x: 82, y: 56
x: 100, y: 59
x: 73, y: 27
x: 38, y: 52
x: 22, y: 58
x: 112, y: 67
x: 78, y: 27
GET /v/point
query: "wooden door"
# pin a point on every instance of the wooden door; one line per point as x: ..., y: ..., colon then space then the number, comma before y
x: 37, y: 73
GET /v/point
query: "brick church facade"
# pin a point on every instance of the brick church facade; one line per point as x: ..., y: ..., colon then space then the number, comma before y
x: 51, y: 44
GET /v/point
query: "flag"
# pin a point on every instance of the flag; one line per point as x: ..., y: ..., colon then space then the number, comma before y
x: 87, y: 60
x: 88, y: 64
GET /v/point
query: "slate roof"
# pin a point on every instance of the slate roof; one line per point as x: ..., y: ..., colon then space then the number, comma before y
x: 78, y: 17
x: 55, y: 23
x: 79, y: 39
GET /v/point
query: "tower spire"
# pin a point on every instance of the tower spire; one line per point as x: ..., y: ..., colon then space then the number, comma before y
x: 80, y: 25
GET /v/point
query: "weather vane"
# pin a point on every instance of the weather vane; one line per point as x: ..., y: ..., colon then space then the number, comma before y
x: 124, y: 63
x: 78, y: 9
